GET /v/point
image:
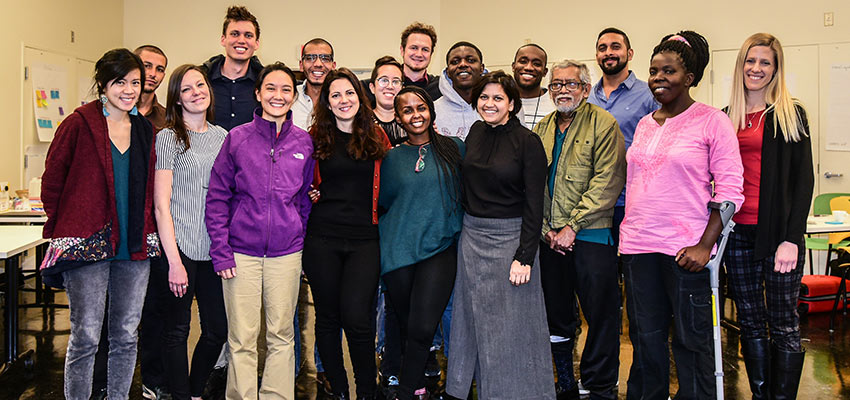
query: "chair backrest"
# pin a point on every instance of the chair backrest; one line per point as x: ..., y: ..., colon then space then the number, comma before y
x: 839, y: 203
x: 821, y: 204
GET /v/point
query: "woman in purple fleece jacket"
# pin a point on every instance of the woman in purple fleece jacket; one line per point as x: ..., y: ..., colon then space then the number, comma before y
x: 257, y: 208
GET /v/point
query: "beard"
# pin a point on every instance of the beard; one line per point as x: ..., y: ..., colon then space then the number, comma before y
x: 568, y: 107
x: 614, y: 70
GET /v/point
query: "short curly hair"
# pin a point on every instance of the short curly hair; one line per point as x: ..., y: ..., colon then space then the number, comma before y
x: 418, y: 27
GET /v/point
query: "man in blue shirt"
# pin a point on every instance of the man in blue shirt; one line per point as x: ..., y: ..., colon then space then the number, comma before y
x: 233, y: 74
x: 628, y: 99
x: 620, y: 93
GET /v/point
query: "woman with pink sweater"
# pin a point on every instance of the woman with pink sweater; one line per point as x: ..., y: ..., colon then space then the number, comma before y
x: 669, y: 230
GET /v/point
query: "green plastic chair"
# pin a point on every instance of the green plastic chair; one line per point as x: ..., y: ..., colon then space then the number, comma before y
x: 821, y: 207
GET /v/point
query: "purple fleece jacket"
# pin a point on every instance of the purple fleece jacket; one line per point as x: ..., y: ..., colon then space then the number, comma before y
x: 258, y: 201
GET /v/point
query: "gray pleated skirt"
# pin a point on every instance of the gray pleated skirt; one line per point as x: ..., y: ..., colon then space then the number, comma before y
x: 499, y: 331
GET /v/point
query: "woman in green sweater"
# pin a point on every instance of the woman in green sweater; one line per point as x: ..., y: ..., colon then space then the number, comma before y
x: 420, y: 192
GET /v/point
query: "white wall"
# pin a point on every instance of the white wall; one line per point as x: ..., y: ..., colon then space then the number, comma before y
x: 569, y: 29
x: 98, y: 26
x: 190, y: 31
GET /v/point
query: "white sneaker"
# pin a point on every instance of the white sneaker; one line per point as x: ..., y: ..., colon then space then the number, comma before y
x: 584, y: 392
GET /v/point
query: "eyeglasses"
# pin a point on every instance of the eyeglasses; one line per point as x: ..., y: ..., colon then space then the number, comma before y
x: 570, y: 85
x: 384, y: 82
x: 326, y: 58
x: 420, y: 163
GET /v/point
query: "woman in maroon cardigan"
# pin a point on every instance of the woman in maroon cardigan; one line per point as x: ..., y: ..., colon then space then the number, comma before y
x: 97, y: 190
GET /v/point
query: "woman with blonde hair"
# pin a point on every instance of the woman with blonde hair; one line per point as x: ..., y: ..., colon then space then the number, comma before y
x: 765, y: 256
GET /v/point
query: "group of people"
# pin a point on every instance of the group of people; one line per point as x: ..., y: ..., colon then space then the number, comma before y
x: 476, y: 200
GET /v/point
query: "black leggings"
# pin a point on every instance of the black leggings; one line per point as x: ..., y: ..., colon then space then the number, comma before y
x: 343, y: 275
x: 206, y: 286
x: 419, y: 294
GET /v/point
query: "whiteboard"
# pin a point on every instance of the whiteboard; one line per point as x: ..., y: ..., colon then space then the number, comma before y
x: 50, y: 71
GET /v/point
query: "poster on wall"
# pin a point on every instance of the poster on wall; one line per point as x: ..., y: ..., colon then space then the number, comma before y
x: 50, y: 83
x: 838, y: 119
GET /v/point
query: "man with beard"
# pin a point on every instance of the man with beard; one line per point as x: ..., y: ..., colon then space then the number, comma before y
x: 529, y: 68
x: 317, y: 59
x: 464, y: 66
x: 233, y: 74
x: 587, y: 171
x: 418, y: 41
x: 155, y: 62
x: 620, y: 93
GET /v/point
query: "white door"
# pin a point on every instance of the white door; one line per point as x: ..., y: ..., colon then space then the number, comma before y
x: 834, y: 144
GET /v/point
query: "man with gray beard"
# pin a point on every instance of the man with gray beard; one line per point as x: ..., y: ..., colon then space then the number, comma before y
x: 587, y: 170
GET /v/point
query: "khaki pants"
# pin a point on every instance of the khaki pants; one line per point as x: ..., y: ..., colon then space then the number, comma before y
x: 272, y: 284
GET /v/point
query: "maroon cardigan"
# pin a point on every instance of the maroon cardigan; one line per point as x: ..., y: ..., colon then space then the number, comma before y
x: 78, y: 190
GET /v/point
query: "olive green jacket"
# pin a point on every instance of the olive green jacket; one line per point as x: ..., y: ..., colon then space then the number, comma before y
x: 591, y: 170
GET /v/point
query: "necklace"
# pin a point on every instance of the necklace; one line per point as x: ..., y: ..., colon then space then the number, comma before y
x: 750, y: 120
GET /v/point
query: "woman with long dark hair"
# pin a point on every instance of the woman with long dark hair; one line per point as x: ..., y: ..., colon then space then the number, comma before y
x: 499, y: 332
x: 671, y: 226
x: 341, y: 250
x: 765, y: 256
x: 419, y: 231
x: 257, y: 209
x: 185, y: 152
x: 97, y: 190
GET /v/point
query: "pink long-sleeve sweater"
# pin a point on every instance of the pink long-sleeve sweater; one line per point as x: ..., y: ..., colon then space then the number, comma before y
x: 669, y: 179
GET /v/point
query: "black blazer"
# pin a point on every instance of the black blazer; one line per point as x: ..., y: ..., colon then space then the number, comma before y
x: 785, y: 188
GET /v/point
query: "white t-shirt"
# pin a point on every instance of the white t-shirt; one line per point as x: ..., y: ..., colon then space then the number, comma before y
x: 535, y: 108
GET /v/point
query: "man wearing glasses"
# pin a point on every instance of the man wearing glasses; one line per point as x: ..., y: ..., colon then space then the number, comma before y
x: 587, y: 171
x: 317, y: 59
x: 233, y: 74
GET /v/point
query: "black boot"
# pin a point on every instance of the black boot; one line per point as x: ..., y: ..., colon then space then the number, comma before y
x: 562, y: 354
x: 785, y: 373
x: 757, y: 359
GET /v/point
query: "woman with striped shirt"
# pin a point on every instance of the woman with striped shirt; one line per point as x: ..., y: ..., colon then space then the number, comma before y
x: 185, y: 152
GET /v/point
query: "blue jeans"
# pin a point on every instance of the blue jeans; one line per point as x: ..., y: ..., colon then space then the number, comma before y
x: 126, y: 283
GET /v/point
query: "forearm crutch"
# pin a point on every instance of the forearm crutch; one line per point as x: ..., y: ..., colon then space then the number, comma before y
x: 726, y: 210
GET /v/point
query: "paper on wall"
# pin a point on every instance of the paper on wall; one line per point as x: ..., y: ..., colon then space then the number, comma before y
x: 837, y: 116
x: 50, y: 85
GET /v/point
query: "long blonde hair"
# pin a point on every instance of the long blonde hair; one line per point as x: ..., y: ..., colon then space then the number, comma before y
x: 786, y: 114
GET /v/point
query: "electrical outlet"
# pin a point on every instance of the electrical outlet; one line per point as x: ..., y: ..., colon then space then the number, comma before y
x: 828, y: 18
x: 72, y: 37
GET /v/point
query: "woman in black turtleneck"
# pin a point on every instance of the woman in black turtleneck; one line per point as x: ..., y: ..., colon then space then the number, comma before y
x: 498, y: 305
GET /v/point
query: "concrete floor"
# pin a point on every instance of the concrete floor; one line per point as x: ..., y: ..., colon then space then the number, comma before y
x: 827, y: 361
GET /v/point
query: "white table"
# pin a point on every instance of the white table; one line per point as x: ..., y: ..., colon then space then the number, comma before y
x: 23, y: 217
x: 819, y: 225
x: 14, y: 240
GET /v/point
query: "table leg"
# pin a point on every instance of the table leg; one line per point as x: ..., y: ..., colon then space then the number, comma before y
x: 11, y: 312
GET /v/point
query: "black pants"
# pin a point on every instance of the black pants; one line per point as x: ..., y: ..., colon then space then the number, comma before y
x: 391, y: 361
x: 660, y: 293
x: 343, y: 275
x: 589, y: 271
x: 206, y: 286
x: 766, y: 300
x: 419, y: 294
x: 152, y: 363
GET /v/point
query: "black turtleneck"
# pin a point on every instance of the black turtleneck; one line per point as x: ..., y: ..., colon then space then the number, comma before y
x: 504, y: 173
